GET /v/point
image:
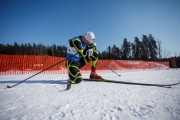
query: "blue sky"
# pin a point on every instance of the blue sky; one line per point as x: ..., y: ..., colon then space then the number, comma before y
x: 56, y: 21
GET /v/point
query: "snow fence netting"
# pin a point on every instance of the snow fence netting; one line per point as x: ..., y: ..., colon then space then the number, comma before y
x: 29, y: 64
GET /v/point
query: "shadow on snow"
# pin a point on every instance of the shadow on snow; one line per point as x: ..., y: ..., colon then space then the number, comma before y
x: 36, y: 81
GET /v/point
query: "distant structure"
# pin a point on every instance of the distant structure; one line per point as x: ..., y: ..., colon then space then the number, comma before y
x: 174, y: 64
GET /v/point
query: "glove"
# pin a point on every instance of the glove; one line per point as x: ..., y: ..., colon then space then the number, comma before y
x: 91, y: 45
x: 89, y: 52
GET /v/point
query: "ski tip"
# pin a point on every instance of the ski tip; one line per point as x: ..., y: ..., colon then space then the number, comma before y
x: 8, y: 86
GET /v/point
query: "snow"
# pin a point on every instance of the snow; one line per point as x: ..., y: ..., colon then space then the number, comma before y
x: 43, y: 97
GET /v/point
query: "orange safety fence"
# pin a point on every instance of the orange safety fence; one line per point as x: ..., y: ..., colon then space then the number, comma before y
x: 28, y: 64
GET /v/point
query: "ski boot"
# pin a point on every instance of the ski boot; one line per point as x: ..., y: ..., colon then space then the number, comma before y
x: 68, y: 84
x: 94, y: 75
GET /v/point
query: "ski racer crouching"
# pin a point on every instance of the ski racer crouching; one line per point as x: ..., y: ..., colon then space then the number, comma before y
x: 81, y: 50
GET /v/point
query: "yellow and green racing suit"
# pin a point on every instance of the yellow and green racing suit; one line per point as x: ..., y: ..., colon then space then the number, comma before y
x: 76, y: 58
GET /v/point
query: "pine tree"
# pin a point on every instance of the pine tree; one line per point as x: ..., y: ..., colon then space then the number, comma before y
x: 152, y: 47
x: 138, y: 49
x: 145, y: 48
x: 125, y: 49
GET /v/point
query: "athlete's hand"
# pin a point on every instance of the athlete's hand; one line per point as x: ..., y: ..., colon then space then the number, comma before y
x: 91, y: 45
x: 89, y: 52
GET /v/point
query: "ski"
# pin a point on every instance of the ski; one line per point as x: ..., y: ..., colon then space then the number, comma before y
x: 130, y: 83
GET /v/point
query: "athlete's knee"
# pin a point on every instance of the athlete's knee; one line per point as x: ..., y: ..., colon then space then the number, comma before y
x: 78, y: 80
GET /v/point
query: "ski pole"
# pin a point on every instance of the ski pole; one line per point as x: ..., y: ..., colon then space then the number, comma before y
x: 38, y: 73
x: 35, y: 74
x: 106, y: 66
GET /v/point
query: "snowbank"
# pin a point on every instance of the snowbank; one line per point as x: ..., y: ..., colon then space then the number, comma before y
x: 43, y: 97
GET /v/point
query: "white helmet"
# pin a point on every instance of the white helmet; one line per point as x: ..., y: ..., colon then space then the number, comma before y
x: 89, y: 36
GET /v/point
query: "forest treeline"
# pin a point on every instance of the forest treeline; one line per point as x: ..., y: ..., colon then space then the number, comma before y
x: 33, y: 49
x: 146, y: 48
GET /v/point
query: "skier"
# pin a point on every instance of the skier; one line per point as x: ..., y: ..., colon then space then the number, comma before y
x: 81, y: 50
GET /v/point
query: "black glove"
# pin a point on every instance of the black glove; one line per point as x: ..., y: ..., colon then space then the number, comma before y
x: 91, y: 45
